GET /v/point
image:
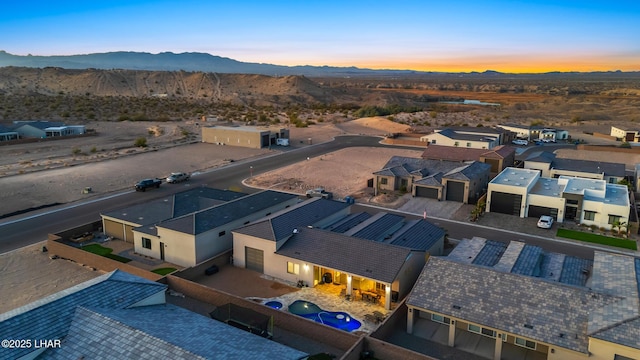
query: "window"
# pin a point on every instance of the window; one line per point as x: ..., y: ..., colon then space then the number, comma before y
x: 380, y: 287
x: 482, y: 331
x: 222, y: 233
x: 146, y: 243
x: 383, y: 181
x: 456, y: 143
x: 526, y: 343
x: 433, y: 142
x: 293, y: 268
x: 612, y: 180
x: 589, y: 215
x: 613, y: 219
x: 441, y: 319
x: 468, y: 144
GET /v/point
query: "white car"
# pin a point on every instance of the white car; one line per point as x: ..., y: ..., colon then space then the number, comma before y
x: 545, y: 222
x: 177, y: 177
x: 520, y: 142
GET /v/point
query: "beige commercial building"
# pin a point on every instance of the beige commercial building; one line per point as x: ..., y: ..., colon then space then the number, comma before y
x: 245, y: 136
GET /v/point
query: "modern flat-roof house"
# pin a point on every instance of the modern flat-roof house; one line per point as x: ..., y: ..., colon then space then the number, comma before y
x: 46, y: 129
x: 626, y: 133
x: 118, y: 315
x: 516, y: 302
x: 525, y: 193
x: 379, y: 253
x: 500, y: 157
x: 435, y: 179
x: 551, y: 166
x: 245, y: 136
x: 7, y: 134
x: 468, y: 137
x: 534, y: 132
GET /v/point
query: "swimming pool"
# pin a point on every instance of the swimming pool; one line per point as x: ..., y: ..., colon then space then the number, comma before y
x: 274, y: 304
x: 337, y: 319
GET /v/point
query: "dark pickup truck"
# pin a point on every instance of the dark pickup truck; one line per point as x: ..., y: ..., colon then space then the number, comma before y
x: 143, y: 185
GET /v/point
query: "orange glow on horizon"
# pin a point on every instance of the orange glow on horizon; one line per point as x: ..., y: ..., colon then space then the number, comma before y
x: 532, y: 65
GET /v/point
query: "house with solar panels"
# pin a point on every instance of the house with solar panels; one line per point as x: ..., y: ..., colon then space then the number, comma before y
x: 517, y: 301
x: 122, y: 316
x: 322, y: 241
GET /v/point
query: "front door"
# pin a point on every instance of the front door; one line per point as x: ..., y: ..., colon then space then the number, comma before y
x: 161, y: 251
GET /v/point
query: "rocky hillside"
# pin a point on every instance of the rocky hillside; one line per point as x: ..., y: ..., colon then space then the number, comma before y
x: 223, y: 88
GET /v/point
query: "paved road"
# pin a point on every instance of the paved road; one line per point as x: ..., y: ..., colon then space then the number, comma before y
x: 33, y: 227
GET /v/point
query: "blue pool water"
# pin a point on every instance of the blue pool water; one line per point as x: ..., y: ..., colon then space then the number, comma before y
x: 337, y: 319
x: 274, y: 304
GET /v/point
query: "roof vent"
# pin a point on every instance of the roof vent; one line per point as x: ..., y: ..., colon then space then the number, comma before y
x: 528, y: 326
x: 518, y: 184
x: 547, y: 188
x: 521, y: 177
x: 607, y: 200
x: 555, y: 194
x: 310, y: 226
x: 295, y: 231
x: 457, y: 307
x: 506, y: 180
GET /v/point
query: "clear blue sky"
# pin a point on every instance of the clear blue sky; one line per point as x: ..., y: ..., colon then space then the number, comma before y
x: 517, y: 36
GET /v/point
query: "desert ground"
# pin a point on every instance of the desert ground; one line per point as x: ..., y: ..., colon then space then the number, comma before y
x: 27, y: 181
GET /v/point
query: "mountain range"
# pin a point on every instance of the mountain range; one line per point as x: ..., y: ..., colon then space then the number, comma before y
x: 193, y: 61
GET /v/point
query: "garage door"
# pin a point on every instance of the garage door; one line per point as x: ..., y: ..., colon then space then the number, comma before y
x: 254, y: 259
x: 505, y: 203
x: 427, y: 192
x: 455, y: 191
x: 537, y: 211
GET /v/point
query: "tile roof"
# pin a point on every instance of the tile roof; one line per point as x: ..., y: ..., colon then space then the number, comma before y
x: 205, y: 220
x: 51, y: 317
x: 370, y: 259
x: 499, y: 152
x: 162, y: 332
x: 176, y: 205
x: 452, y: 153
x: 402, y: 166
x: 468, y: 172
x: 280, y: 225
x: 540, y: 310
x: 589, y: 166
x: 462, y: 136
x: 619, y: 322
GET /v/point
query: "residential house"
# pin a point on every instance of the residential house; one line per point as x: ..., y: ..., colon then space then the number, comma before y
x: 515, y: 305
x: 442, y: 180
x: 120, y: 223
x: 379, y: 253
x: 536, y: 132
x: 7, y: 134
x: 191, y: 239
x: 551, y: 166
x: 46, y: 129
x: 500, y: 157
x: 625, y: 133
x: 245, y: 136
x: 525, y: 193
x: 468, y: 137
x: 118, y: 315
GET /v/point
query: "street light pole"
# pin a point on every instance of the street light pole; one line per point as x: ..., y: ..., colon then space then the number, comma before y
x: 250, y: 171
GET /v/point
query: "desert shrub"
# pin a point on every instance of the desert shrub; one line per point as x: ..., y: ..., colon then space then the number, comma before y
x: 76, y: 151
x: 537, y: 122
x: 140, y: 142
x: 93, y: 150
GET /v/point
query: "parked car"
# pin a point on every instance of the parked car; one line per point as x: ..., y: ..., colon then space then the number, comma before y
x: 282, y: 142
x: 545, y: 222
x: 145, y: 184
x: 319, y: 192
x: 520, y: 142
x: 177, y: 177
